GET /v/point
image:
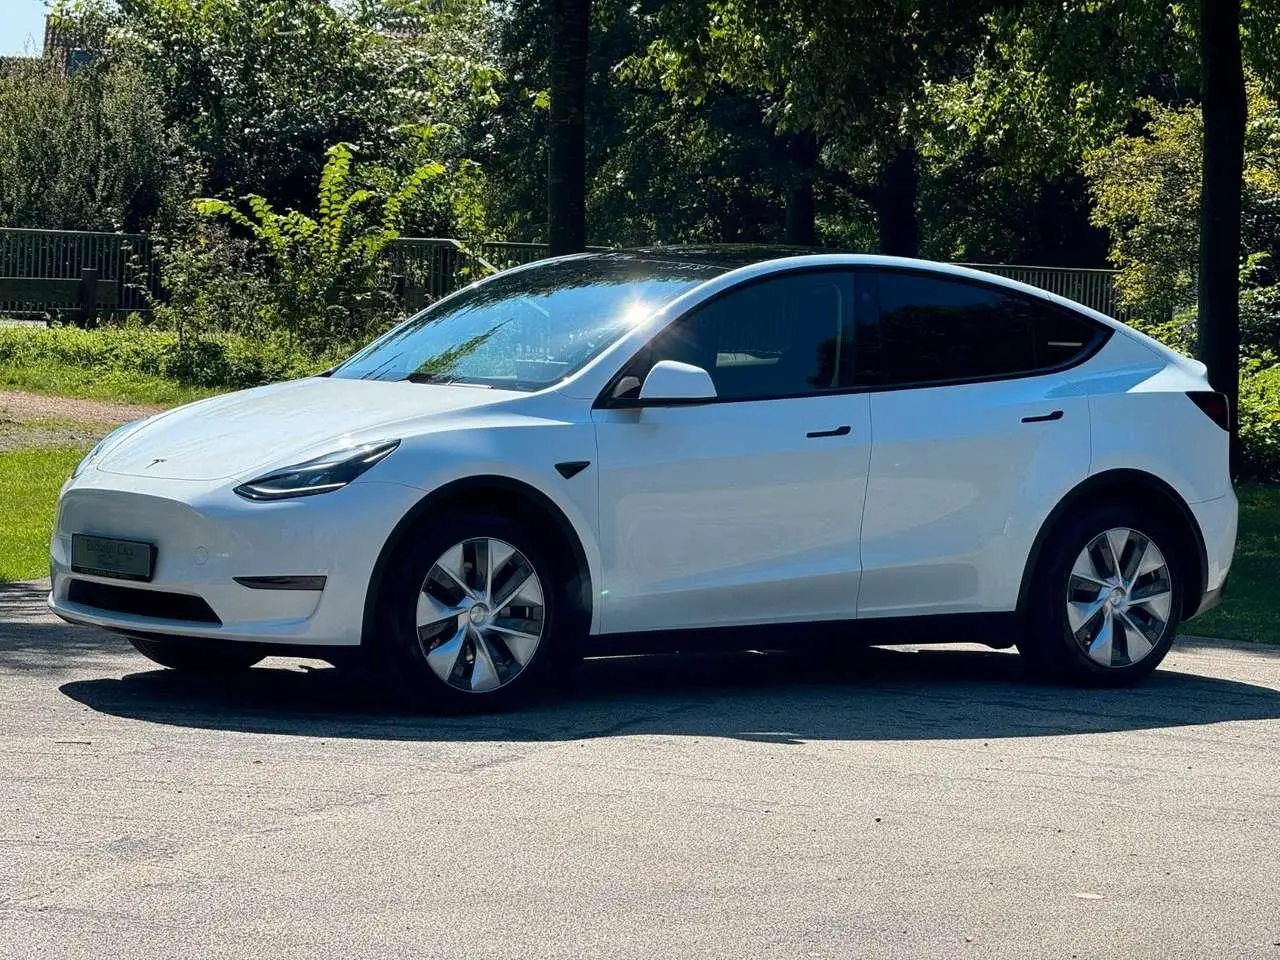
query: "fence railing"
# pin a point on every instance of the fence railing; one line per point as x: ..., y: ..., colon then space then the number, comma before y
x: 421, y: 269
x: 124, y: 262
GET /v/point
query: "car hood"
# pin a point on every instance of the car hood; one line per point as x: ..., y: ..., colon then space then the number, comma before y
x: 242, y: 433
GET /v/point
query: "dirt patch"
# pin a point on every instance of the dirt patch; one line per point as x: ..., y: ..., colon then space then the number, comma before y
x: 35, y: 420
x: 15, y: 434
x: 19, y: 407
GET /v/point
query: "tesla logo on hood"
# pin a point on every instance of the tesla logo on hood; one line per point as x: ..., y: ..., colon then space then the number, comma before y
x: 154, y: 462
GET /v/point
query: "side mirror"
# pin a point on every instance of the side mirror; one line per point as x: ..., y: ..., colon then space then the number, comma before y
x: 670, y: 381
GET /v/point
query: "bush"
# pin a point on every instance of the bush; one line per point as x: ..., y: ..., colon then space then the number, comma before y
x: 1259, y: 319
x: 1259, y: 418
x: 87, y: 151
x: 214, y: 285
x: 323, y: 277
x: 225, y: 361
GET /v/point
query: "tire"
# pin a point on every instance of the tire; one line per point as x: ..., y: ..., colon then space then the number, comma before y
x: 1088, y: 627
x: 197, y: 659
x: 452, y: 641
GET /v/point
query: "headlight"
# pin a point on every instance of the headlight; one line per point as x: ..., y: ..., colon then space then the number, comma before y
x: 102, y: 445
x: 324, y: 474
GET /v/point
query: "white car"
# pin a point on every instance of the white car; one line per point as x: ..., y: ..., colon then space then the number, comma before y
x: 592, y: 453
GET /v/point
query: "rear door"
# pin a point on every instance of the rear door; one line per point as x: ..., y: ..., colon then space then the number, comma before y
x: 978, y: 435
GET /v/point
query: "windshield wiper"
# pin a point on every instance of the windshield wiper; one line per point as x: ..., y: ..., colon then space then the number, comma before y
x: 445, y: 381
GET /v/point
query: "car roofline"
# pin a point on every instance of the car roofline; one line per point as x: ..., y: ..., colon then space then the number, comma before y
x: 804, y: 261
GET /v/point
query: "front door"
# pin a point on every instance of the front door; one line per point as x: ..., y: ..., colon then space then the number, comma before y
x: 747, y: 509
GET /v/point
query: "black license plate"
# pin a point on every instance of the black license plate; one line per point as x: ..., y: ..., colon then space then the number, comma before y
x: 106, y: 557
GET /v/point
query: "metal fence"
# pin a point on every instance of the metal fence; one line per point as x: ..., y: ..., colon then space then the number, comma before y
x: 421, y: 269
x: 125, y: 260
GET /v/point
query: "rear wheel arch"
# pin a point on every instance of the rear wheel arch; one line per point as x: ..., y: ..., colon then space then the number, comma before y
x: 1129, y: 486
x: 513, y: 498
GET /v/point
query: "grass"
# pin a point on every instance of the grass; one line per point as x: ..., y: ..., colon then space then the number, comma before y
x: 1251, y: 610
x: 29, y: 483
x: 67, y: 380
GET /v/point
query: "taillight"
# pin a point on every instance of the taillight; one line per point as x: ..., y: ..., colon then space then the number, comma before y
x: 1214, y: 405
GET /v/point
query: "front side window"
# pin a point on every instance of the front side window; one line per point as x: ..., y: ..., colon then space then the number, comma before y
x: 526, y: 329
x: 784, y: 336
x: 935, y: 329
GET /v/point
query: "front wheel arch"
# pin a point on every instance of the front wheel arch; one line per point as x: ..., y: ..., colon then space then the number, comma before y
x: 1128, y: 486
x: 494, y: 493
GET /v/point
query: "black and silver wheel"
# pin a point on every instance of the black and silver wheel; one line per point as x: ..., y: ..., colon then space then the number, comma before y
x: 1107, y: 598
x: 473, y: 609
x: 193, y: 658
x: 481, y: 615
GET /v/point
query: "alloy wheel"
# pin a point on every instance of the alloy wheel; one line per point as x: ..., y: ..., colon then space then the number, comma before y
x: 481, y: 614
x: 1119, y: 597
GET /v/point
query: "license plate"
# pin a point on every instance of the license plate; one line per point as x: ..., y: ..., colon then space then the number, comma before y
x: 105, y: 557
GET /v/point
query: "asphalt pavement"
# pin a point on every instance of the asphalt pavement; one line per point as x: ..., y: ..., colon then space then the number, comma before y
x: 897, y: 803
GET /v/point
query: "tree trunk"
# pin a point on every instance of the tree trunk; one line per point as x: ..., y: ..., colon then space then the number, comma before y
x: 566, y: 146
x: 1218, y: 321
x: 802, y: 151
x: 1046, y: 243
x: 896, y: 209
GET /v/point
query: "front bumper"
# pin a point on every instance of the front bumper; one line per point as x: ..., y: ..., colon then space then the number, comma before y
x: 205, y: 537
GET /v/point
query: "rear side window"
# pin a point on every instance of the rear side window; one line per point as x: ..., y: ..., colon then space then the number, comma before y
x: 934, y: 329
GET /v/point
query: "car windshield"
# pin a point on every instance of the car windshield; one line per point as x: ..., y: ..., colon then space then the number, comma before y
x: 526, y: 329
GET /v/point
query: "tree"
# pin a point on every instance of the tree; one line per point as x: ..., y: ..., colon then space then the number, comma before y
x: 1003, y: 141
x: 261, y: 88
x: 662, y: 165
x: 843, y: 78
x: 85, y: 152
x: 566, y: 138
x: 1223, y: 98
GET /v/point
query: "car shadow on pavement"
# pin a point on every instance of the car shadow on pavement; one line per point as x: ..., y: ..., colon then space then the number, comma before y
x: 871, y: 694
x: 857, y: 694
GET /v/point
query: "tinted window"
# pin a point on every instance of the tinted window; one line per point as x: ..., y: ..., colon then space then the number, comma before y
x: 934, y: 329
x: 1061, y: 336
x: 780, y: 337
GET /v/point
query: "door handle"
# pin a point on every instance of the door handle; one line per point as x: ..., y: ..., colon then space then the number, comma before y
x: 1056, y: 415
x: 842, y: 431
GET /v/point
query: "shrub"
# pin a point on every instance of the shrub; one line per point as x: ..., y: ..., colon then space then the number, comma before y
x: 214, y: 285
x: 87, y: 151
x: 1259, y: 418
x: 1260, y: 319
x: 324, y: 275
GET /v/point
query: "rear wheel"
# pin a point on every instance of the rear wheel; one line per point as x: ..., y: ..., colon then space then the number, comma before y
x: 1106, y: 600
x: 197, y: 659
x: 474, y: 615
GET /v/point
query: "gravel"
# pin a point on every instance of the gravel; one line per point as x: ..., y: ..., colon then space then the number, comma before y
x: 34, y: 420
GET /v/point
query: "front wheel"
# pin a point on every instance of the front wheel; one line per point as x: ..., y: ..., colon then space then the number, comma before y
x: 1106, y: 600
x: 475, y: 614
x: 197, y: 659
